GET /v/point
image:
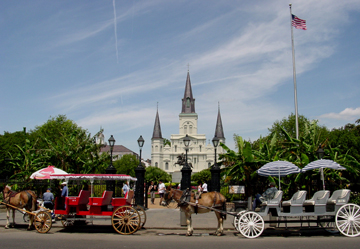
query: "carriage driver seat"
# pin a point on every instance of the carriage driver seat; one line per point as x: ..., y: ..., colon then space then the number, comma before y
x: 275, y: 202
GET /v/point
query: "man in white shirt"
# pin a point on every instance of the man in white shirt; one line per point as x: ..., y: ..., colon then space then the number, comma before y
x: 161, y: 189
x: 204, y: 188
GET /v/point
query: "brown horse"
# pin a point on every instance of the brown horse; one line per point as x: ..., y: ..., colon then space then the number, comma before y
x: 24, y: 199
x: 188, y: 204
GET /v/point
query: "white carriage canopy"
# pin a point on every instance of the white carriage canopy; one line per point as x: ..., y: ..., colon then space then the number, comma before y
x: 93, y: 177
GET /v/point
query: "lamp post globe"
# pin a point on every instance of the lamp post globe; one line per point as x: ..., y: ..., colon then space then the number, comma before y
x: 140, y: 175
x: 320, y: 152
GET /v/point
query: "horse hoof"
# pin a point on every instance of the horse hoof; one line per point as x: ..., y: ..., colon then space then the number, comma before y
x: 188, y: 234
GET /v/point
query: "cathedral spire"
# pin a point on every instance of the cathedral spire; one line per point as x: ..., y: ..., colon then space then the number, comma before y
x: 157, y: 127
x: 188, y: 102
x: 219, y: 132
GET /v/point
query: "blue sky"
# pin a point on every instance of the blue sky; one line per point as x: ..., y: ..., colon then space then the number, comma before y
x: 76, y: 58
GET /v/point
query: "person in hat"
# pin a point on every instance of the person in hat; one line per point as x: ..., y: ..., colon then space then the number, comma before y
x: 48, y: 199
x: 267, y: 195
x: 65, y: 190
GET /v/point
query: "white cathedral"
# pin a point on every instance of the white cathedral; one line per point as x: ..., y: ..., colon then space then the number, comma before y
x: 200, y: 154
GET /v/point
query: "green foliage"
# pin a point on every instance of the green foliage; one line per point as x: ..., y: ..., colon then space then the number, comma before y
x: 355, y: 198
x: 126, y: 165
x: 173, y: 184
x: 58, y: 142
x: 202, y: 176
x: 167, y: 142
x: 156, y: 174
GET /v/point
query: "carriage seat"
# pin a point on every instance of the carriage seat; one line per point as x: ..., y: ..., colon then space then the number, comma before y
x: 319, y: 198
x: 295, y: 204
x: 129, y: 197
x: 338, y: 198
x: 81, y: 199
x: 317, y: 203
x: 122, y: 201
x: 101, y: 201
x: 275, y: 201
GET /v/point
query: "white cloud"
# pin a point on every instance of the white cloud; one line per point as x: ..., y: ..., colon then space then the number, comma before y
x: 347, y: 114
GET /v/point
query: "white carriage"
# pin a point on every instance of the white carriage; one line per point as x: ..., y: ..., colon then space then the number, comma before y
x: 333, y: 213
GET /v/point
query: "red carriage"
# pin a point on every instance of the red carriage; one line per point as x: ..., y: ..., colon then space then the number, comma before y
x: 126, y: 218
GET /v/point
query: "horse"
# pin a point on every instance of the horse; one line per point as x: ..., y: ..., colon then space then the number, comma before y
x: 25, y: 199
x: 189, y: 204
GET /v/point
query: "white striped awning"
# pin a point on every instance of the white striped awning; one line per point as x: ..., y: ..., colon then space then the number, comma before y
x: 323, y: 163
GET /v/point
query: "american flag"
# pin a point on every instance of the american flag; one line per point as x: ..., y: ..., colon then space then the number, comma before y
x: 298, y: 23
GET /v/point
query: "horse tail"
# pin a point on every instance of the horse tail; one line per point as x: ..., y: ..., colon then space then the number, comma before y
x: 31, y: 203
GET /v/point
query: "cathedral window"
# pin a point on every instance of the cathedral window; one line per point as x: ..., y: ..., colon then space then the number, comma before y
x: 188, y: 102
x: 209, y: 165
x: 200, y: 148
x: 156, y: 165
x: 190, y: 129
x: 175, y: 148
x: 166, y: 166
x: 195, y: 160
x: 185, y: 129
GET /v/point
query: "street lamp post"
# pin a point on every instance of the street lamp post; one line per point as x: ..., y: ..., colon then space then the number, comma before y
x: 140, y: 175
x: 320, y: 152
x: 186, y: 170
x: 110, y: 185
x: 185, y: 176
x: 215, y: 170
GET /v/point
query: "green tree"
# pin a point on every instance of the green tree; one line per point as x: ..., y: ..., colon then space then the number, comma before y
x: 167, y: 142
x: 126, y: 165
x: 202, y: 176
x: 9, y: 150
x: 288, y: 125
x: 27, y: 161
x: 239, y: 165
x: 156, y: 174
x: 70, y: 147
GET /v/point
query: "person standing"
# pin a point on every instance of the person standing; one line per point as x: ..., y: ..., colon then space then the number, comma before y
x: 161, y: 191
x: 204, y: 188
x: 48, y: 199
x: 125, y: 189
x: 152, y: 191
x: 199, y: 188
x: 65, y: 190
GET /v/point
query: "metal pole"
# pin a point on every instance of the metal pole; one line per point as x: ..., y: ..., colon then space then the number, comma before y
x: 294, y: 76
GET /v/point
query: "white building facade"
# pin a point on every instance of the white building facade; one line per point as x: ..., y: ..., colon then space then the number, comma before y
x: 200, y: 154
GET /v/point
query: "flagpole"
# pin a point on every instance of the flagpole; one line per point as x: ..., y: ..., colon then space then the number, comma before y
x: 294, y: 76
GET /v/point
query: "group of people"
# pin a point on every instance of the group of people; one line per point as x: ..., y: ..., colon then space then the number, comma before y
x: 154, y: 188
x: 202, y: 187
x: 48, y: 196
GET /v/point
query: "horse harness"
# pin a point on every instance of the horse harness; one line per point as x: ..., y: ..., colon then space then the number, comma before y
x: 12, y: 194
x: 185, y: 200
